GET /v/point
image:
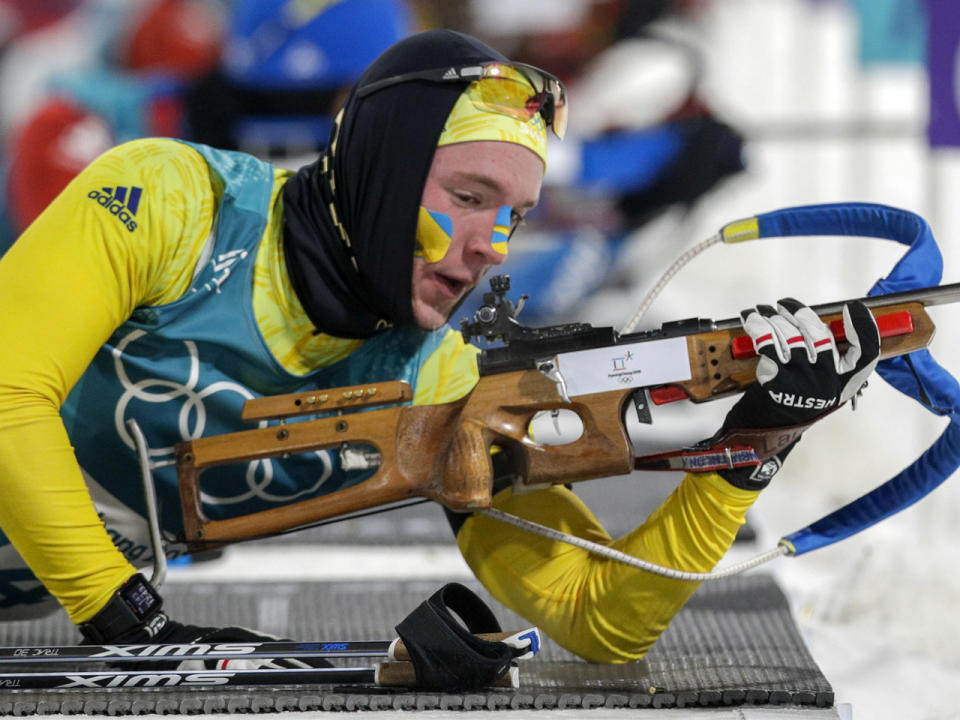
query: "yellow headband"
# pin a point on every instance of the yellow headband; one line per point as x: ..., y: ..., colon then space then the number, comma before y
x: 468, y: 123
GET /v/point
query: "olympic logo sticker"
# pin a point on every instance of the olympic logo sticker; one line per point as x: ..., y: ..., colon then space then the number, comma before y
x: 192, y: 420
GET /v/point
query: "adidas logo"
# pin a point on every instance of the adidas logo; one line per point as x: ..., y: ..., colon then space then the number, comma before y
x: 120, y: 201
x: 464, y: 72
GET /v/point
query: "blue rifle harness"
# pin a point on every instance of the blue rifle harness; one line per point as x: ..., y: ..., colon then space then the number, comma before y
x: 916, y: 375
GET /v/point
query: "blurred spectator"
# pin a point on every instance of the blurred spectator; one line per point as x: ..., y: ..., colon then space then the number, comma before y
x: 20, y: 17
x: 113, y: 81
x: 286, y: 68
x: 60, y: 140
x: 176, y: 37
x: 267, y: 78
x: 76, y: 36
x: 641, y: 141
x: 264, y: 77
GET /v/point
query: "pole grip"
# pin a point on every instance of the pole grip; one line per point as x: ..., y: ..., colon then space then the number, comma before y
x: 402, y: 674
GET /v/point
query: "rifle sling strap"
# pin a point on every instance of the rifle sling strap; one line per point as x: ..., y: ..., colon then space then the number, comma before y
x: 727, y: 450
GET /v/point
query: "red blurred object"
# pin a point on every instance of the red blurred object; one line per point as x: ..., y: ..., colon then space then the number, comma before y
x: 182, y: 37
x: 26, y: 16
x: 49, y: 150
x: 166, y: 116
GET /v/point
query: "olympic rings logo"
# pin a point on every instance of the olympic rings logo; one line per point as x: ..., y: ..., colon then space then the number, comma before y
x: 259, y: 473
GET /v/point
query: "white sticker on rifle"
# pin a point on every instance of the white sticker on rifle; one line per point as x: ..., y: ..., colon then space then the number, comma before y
x: 616, y: 367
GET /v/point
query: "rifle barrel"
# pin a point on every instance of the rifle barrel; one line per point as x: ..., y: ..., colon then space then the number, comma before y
x: 938, y: 295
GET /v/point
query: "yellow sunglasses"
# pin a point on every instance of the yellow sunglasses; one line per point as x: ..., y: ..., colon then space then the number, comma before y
x: 513, y: 89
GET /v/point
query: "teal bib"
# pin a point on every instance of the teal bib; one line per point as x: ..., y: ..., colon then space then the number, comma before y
x: 184, y: 370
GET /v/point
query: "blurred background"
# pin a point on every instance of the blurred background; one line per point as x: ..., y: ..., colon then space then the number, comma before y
x: 685, y: 115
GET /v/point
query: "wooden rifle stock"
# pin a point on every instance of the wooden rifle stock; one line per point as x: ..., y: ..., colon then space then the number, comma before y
x: 443, y: 452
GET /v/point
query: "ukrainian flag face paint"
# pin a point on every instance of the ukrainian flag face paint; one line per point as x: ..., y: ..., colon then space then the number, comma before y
x: 435, y: 233
x: 502, y: 229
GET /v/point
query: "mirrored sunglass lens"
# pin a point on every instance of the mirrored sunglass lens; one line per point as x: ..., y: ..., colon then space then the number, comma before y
x: 544, y: 86
x: 508, y: 97
x: 521, y: 94
x: 559, y: 123
x: 534, y: 103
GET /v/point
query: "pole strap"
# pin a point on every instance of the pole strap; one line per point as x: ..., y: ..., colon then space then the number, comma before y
x: 446, y: 653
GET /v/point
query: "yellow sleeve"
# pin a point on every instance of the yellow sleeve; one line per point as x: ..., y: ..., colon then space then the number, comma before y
x: 449, y: 373
x: 70, y: 280
x: 598, y: 609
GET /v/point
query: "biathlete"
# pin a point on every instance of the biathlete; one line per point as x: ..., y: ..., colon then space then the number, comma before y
x: 170, y: 282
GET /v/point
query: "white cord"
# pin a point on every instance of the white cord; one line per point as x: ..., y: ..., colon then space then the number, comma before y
x: 616, y: 555
x: 622, y: 557
x: 150, y: 499
x: 667, y: 277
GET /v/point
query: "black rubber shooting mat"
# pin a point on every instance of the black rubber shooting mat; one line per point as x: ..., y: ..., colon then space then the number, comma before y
x: 734, y: 644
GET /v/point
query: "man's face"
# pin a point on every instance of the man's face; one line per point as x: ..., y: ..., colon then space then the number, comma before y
x: 470, y: 182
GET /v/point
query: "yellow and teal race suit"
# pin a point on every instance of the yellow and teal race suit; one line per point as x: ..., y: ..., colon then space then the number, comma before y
x: 154, y: 288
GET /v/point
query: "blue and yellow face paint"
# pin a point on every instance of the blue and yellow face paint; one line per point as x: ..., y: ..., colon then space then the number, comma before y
x: 501, y: 229
x: 435, y: 233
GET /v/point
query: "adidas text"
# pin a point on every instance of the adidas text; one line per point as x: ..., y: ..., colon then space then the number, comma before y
x: 116, y: 206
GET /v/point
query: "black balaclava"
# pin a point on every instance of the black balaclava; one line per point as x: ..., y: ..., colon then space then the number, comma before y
x: 380, y: 156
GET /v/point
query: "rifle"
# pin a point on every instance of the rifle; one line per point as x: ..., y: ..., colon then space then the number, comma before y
x: 443, y: 452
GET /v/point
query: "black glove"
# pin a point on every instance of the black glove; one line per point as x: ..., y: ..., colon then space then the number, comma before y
x: 800, y: 376
x: 134, y: 615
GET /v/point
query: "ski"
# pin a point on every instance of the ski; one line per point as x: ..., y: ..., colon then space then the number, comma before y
x: 212, y: 651
x: 390, y: 674
x: 391, y: 649
x: 184, y: 678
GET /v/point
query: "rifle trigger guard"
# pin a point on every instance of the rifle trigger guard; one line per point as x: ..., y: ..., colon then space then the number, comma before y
x: 552, y: 372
